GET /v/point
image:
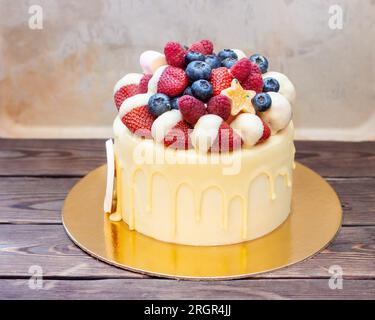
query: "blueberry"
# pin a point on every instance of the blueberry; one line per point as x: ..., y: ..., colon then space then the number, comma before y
x: 213, y: 60
x: 174, y: 103
x: 228, y: 62
x: 188, y: 92
x: 261, y: 102
x: 158, y: 104
x: 202, y: 90
x: 271, y: 84
x: 261, y: 61
x: 197, y: 70
x: 227, y: 53
x: 194, y: 56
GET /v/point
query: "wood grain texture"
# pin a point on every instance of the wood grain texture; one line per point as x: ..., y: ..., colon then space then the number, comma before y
x: 171, y: 289
x: 36, y: 175
x: 78, y: 157
x: 49, y: 247
x: 39, y: 200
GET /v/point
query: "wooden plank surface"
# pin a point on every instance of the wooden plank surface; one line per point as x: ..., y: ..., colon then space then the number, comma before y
x: 171, y: 289
x: 49, y: 247
x: 35, y: 176
x: 77, y: 157
x: 39, y: 200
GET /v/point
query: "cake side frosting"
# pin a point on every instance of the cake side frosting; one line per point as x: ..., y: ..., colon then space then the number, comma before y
x: 186, y: 201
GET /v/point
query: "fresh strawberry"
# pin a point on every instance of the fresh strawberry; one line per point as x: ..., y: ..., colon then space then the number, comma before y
x: 198, y: 47
x: 191, y: 109
x: 124, y: 93
x: 178, y: 137
x: 139, y: 121
x: 175, y: 54
x: 172, y: 82
x: 266, y: 132
x: 143, y: 84
x: 208, y: 46
x: 227, y: 139
x: 220, y: 80
x: 220, y: 105
x: 241, y: 69
x: 253, y: 82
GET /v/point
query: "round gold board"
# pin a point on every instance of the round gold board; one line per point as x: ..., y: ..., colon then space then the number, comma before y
x: 314, y: 221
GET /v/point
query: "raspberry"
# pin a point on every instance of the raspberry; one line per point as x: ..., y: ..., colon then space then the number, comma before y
x: 124, y: 93
x: 172, y: 82
x: 178, y: 137
x: 266, y: 132
x: 220, y: 80
x: 175, y: 54
x: 254, y: 82
x: 220, y: 105
x: 143, y: 84
x: 191, y: 109
x: 139, y: 121
x: 198, y: 47
x: 207, y: 46
x: 241, y: 69
x: 227, y: 139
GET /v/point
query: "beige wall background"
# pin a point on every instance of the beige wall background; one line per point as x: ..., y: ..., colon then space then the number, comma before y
x: 57, y: 82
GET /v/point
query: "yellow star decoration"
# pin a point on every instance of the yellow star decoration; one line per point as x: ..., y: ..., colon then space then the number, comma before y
x: 241, y: 98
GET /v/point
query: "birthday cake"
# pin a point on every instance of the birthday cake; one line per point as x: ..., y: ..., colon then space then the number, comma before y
x: 203, y: 150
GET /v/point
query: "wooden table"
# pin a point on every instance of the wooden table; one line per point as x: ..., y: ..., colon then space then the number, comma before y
x: 36, y: 175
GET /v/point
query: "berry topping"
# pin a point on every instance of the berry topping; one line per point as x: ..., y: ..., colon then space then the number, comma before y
x: 228, y: 62
x: 220, y: 105
x: 241, y: 98
x: 213, y: 60
x: 227, y: 139
x: 198, y: 47
x: 178, y: 137
x: 197, y: 70
x: 261, y: 102
x: 175, y: 54
x: 220, y: 80
x: 260, y: 61
x: 254, y: 82
x: 202, y: 90
x: 241, y: 69
x: 227, y: 53
x: 193, y: 56
x: 208, y: 46
x: 191, y: 109
x: 188, y: 92
x: 270, y: 85
x: 266, y: 132
x: 139, y: 121
x: 172, y: 82
x: 158, y: 104
x: 174, y: 103
x: 124, y: 93
x: 143, y: 84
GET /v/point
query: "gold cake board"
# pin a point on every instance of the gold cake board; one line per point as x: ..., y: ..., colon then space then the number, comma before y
x: 314, y: 221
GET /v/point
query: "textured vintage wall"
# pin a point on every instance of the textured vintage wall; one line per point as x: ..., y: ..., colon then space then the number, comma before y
x: 57, y: 82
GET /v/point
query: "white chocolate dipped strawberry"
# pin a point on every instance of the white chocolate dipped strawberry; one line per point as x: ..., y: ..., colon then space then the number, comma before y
x: 212, y: 134
x: 126, y: 87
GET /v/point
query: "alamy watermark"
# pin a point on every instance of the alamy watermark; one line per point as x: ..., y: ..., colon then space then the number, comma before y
x: 335, y: 282
x: 36, y: 17
x: 336, y: 19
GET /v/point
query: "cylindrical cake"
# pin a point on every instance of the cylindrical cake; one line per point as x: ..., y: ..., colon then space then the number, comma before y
x: 203, y: 199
